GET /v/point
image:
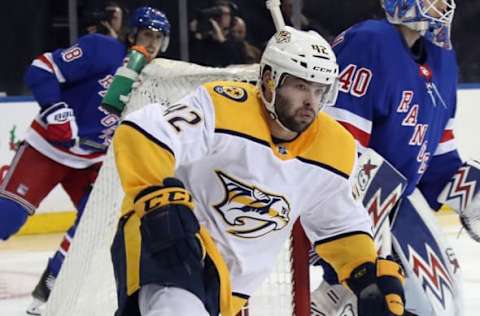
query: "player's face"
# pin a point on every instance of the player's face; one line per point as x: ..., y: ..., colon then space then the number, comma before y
x: 298, y: 102
x: 151, y: 40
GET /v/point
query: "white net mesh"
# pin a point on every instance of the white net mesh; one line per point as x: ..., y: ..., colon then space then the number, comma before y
x: 86, y: 284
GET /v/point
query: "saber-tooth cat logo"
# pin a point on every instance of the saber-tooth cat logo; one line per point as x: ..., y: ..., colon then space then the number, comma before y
x: 251, y: 211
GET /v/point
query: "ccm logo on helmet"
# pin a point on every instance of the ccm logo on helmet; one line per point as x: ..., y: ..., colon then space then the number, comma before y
x: 323, y: 69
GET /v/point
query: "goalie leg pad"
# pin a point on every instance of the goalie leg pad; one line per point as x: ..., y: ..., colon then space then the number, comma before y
x: 380, y: 187
x: 434, y: 282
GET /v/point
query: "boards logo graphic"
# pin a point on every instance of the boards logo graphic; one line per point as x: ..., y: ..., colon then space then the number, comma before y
x: 13, y: 145
x: 13, y: 142
x: 250, y: 211
x: 232, y: 92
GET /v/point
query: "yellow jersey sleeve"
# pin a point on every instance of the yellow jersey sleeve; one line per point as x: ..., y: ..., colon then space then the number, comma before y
x: 141, y: 162
x: 152, y: 142
x: 347, y: 252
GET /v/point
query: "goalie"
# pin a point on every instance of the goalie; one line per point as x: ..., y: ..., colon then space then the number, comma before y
x: 404, y: 111
x: 214, y: 183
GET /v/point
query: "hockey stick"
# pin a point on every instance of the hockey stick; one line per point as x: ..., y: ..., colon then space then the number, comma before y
x: 274, y: 7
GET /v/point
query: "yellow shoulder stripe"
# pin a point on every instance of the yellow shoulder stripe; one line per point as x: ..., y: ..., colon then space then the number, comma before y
x: 238, y: 108
x: 333, y: 146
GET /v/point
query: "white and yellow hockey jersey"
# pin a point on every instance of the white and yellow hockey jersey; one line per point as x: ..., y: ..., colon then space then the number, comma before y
x: 249, y: 191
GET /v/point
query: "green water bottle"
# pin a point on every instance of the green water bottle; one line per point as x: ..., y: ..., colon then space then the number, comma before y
x: 114, y: 100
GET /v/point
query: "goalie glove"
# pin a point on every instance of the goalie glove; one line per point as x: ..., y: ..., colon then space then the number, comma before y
x: 462, y: 194
x: 169, y: 229
x: 379, y: 288
x: 61, y: 127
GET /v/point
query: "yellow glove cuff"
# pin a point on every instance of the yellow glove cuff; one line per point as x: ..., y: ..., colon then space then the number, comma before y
x: 163, y: 197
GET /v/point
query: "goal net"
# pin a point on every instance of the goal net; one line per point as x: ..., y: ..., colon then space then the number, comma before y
x: 86, y: 285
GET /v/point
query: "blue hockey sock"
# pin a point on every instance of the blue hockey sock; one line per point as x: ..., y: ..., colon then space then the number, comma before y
x: 12, y: 217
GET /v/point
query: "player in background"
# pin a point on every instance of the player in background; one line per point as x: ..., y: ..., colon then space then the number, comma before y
x: 68, y: 139
x: 214, y: 182
x: 398, y: 85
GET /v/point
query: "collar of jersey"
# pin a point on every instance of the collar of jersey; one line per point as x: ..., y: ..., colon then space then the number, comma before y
x: 295, y: 147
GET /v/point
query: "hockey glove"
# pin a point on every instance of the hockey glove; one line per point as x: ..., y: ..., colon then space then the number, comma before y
x: 61, y: 128
x: 168, y: 227
x: 462, y: 193
x: 379, y: 288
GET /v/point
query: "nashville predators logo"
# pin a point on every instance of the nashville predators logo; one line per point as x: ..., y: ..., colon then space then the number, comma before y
x: 234, y: 93
x: 250, y: 211
x: 282, y: 36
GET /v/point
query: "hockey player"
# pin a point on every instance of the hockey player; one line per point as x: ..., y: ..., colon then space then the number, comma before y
x: 398, y: 84
x: 68, y: 139
x: 214, y: 183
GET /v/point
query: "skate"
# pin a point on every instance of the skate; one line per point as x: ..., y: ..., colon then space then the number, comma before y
x: 41, y: 293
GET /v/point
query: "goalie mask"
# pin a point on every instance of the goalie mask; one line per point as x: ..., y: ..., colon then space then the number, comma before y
x: 152, y: 19
x: 432, y: 18
x: 305, y: 55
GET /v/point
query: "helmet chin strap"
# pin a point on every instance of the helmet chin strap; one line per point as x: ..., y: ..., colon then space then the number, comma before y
x: 270, y: 107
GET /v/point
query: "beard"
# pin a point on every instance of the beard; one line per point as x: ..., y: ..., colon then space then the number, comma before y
x: 292, y: 121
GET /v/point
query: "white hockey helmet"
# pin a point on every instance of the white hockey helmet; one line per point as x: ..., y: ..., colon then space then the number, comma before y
x: 305, y: 55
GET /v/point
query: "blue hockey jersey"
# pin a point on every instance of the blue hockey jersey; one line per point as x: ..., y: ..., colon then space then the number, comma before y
x: 80, y: 76
x: 401, y: 109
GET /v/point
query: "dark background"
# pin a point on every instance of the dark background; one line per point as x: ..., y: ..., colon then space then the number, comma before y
x: 30, y: 27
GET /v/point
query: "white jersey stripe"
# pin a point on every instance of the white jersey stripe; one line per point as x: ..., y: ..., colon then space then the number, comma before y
x: 351, y: 118
x: 40, y: 64
x: 56, y: 70
x: 64, y: 158
x: 445, y: 147
x: 450, y: 124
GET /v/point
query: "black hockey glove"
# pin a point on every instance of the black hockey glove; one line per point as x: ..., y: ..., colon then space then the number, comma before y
x: 379, y: 288
x: 168, y: 227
